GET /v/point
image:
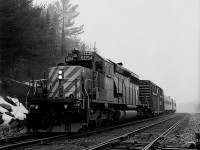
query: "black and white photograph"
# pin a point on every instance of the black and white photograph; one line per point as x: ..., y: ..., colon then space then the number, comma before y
x: 99, y: 74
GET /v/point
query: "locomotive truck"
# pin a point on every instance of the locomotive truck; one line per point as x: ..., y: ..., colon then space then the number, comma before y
x: 85, y: 89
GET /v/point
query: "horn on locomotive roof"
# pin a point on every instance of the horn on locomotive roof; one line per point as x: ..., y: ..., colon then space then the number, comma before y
x: 120, y: 63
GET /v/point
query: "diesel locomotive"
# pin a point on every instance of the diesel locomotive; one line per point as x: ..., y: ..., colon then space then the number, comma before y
x: 85, y: 89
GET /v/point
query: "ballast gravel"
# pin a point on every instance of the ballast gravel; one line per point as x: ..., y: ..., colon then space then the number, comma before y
x: 85, y: 142
x: 182, y: 137
x: 185, y: 136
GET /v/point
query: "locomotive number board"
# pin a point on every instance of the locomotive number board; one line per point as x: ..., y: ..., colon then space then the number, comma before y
x: 86, y: 57
x: 82, y: 57
x: 69, y: 58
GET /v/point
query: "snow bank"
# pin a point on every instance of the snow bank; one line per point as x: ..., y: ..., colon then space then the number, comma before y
x: 11, y: 110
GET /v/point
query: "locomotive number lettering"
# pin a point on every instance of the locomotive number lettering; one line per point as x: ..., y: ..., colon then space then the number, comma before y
x: 86, y: 57
x: 69, y: 58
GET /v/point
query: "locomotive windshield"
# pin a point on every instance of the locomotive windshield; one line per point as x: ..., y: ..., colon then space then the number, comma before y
x: 86, y: 64
x: 79, y: 58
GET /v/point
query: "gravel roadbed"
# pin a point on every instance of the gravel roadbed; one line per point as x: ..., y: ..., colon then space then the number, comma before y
x: 85, y: 142
x: 185, y: 135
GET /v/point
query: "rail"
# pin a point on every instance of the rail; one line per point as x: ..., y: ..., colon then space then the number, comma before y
x: 167, y: 132
x: 19, y: 142
x: 125, y: 136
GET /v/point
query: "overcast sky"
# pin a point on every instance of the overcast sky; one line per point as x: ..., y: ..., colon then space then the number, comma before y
x: 156, y: 39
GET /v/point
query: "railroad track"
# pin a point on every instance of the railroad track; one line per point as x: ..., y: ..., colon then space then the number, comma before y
x: 143, y: 138
x: 38, y: 139
x: 156, y: 142
x: 26, y: 140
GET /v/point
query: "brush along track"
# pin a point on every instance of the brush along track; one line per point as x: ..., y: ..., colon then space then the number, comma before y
x: 140, y: 138
x: 36, y: 139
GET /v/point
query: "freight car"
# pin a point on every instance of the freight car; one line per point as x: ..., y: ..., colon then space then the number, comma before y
x: 83, y: 89
x: 151, y: 98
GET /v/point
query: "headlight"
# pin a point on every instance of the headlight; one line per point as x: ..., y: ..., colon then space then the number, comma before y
x: 60, y: 71
x: 59, y: 76
x: 65, y: 106
x: 34, y: 106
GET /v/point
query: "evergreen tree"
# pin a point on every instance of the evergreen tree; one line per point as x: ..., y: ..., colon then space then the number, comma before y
x: 23, y: 35
x: 15, y: 23
x: 67, y: 13
x: 30, y: 36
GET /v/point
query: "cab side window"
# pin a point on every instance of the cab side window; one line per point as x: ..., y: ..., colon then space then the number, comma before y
x: 99, y: 66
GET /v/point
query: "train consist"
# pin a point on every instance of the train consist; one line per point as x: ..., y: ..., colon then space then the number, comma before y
x: 85, y: 89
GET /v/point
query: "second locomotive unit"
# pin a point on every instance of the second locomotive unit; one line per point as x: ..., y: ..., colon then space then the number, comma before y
x: 85, y: 89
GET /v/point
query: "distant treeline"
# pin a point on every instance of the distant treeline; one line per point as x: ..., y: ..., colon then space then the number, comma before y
x: 33, y: 37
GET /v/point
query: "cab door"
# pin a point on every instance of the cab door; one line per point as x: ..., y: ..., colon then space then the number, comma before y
x: 100, y: 80
x: 109, y: 83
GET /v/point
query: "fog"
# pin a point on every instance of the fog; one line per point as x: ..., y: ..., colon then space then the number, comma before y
x: 158, y: 40
x: 189, y: 107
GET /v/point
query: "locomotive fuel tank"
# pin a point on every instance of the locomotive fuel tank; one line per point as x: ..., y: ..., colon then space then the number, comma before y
x: 121, y: 115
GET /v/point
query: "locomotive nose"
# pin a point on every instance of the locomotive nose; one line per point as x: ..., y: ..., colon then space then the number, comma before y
x: 64, y: 82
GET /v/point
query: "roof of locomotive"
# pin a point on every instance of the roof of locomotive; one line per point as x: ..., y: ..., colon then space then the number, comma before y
x: 117, y: 65
x: 132, y: 74
x: 62, y: 61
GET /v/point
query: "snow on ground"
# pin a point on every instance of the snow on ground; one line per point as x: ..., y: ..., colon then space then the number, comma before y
x: 11, y: 111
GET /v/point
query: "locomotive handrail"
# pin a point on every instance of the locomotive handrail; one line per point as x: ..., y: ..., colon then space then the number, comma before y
x: 87, y: 92
x: 96, y: 75
x: 38, y: 80
x: 51, y: 81
x: 71, y: 79
x: 27, y: 97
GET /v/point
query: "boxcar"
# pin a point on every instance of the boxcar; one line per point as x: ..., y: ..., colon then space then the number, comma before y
x: 151, y: 97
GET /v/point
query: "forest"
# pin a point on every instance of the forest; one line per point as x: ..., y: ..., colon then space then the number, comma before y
x: 34, y: 37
